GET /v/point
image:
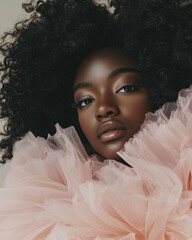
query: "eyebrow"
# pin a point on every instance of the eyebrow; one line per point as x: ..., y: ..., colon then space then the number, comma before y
x: 112, y: 74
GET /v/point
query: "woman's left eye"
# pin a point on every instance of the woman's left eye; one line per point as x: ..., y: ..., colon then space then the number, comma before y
x: 128, y: 88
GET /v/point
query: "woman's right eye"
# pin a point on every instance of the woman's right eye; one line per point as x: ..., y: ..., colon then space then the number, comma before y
x: 84, y: 102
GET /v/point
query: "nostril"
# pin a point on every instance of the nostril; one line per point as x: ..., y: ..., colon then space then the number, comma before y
x: 109, y: 113
x: 99, y: 116
x: 106, y: 111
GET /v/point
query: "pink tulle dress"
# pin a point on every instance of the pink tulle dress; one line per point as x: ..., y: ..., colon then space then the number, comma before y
x: 55, y: 191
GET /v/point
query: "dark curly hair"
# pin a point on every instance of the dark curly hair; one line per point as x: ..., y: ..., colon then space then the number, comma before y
x: 42, y: 55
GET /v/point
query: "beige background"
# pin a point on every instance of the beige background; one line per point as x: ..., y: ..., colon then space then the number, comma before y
x: 10, y: 12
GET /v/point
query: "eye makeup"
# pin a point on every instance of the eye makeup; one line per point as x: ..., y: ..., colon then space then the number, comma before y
x: 128, y: 80
x: 83, y: 102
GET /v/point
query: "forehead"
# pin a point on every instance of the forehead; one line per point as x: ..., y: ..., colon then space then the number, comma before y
x: 101, y: 63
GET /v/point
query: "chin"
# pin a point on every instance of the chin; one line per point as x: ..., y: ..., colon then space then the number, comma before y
x: 112, y: 148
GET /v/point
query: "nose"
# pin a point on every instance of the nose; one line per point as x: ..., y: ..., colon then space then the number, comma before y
x: 106, y: 108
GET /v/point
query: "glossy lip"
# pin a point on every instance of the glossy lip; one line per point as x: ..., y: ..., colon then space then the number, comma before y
x: 108, y: 126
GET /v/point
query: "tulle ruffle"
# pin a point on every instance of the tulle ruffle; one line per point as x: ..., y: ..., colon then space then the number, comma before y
x: 56, y: 191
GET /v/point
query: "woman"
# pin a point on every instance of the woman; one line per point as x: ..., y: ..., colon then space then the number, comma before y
x: 115, y: 67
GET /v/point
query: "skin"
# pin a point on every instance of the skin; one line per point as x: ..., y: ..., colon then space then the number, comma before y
x: 102, y: 94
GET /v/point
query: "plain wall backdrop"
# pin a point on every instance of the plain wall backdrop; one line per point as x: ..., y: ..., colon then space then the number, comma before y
x: 10, y: 12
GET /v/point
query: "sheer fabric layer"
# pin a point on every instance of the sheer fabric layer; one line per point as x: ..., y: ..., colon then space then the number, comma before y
x: 56, y: 191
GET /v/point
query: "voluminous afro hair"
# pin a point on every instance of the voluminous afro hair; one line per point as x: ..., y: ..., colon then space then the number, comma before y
x: 42, y: 55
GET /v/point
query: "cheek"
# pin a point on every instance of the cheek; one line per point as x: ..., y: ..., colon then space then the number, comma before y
x: 141, y: 105
x: 134, y: 111
x: 136, y: 104
x: 86, y: 123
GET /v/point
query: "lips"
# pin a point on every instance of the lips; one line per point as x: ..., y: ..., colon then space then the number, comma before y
x: 110, y: 130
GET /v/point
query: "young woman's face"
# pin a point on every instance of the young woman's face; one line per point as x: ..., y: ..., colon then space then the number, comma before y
x: 111, y: 100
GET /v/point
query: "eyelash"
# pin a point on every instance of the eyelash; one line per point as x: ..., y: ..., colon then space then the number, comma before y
x: 131, y: 88
x: 78, y: 104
